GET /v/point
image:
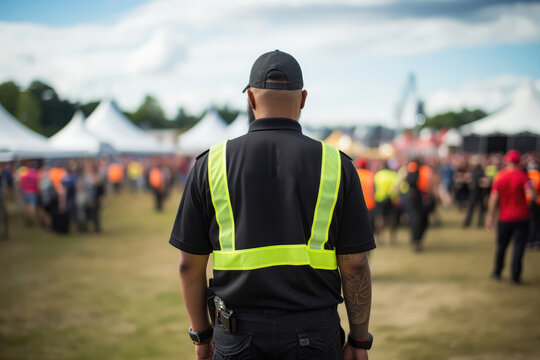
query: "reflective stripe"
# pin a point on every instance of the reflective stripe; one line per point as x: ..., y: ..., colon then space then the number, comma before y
x: 219, y: 192
x: 328, y: 193
x: 312, y: 254
x: 266, y: 256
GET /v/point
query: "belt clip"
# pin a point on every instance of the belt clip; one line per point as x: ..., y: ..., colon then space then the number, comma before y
x: 225, y: 317
x: 228, y: 320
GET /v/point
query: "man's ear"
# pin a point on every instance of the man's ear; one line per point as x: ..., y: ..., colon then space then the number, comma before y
x: 251, y: 99
x: 304, y: 96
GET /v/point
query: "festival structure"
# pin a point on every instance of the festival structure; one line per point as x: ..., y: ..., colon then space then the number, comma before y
x: 210, y: 130
x: 19, y: 142
x: 238, y: 127
x: 78, y: 141
x: 515, y: 126
x: 112, y: 127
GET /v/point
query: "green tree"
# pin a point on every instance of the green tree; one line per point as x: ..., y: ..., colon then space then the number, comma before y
x: 184, y: 120
x: 89, y: 107
x: 29, y: 111
x: 9, y: 95
x: 149, y: 114
x: 55, y: 113
x: 454, y: 119
x: 226, y: 113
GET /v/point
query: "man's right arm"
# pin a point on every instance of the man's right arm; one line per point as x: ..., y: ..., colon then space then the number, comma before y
x: 356, y: 282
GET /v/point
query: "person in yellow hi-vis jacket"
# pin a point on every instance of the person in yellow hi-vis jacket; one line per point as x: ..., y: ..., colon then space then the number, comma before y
x: 285, y: 220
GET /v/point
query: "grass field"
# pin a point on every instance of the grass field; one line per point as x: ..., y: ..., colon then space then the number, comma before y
x: 116, y: 295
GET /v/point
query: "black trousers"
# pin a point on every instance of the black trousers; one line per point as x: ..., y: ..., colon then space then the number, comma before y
x: 418, y: 217
x: 505, y: 232
x: 158, y: 196
x: 476, y: 199
x: 534, y: 224
x: 274, y: 334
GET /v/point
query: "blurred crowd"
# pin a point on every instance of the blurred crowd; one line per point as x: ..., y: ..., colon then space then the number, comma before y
x: 402, y: 191
x: 68, y: 195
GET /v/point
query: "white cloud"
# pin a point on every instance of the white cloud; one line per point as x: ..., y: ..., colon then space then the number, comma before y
x: 194, y: 53
x: 486, y: 94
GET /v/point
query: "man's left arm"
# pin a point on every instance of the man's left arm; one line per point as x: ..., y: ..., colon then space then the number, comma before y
x: 193, y: 283
x: 492, y: 206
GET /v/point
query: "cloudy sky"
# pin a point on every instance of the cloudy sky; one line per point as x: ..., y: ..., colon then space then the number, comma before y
x: 355, y: 55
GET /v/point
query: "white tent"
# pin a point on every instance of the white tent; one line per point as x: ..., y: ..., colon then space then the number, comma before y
x: 238, y: 127
x: 210, y: 130
x: 110, y: 126
x: 521, y: 116
x: 75, y: 138
x: 19, y: 142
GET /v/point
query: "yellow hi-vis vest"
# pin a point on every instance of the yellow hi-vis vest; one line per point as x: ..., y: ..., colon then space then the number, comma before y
x: 313, y: 253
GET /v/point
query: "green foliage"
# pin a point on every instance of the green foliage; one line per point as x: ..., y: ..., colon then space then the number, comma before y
x: 29, y: 111
x: 55, y: 113
x: 149, y: 114
x: 184, y: 120
x: 226, y: 113
x: 453, y: 119
x: 89, y: 107
x: 9, y: 94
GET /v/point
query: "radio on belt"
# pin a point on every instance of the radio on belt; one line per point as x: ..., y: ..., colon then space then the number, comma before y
x: 225, y: 317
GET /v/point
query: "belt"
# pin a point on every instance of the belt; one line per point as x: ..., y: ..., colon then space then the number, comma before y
x: 271, y: 312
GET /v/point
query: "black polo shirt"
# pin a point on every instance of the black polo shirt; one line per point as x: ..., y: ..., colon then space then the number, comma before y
x: 273, y: 174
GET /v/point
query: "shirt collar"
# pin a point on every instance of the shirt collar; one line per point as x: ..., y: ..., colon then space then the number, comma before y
x: 275, y: 124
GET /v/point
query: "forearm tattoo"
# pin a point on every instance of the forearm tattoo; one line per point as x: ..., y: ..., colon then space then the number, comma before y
x: 357, y: 294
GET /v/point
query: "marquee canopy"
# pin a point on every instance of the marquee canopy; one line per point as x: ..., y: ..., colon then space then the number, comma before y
x: 76, y: 139
x: 521, y: 116
x: 210, y: 130
x: 238, y: 127
x: 19, y: 142
x: 110, y: 126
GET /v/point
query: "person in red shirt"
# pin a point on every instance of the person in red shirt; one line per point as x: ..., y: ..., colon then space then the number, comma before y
x: 509, y: 191
x: 28, y: 180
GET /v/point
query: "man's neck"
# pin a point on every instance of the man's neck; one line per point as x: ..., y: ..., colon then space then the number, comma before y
x: 277, y: 114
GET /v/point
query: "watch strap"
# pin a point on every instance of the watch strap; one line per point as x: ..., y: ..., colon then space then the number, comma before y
x: 201, y: 336
x: 364, y: 344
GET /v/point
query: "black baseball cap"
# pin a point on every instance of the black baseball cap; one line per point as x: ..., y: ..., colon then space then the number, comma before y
x: 275, y: 60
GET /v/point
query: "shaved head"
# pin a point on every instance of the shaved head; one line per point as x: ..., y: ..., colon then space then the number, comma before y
x: 276, y: 103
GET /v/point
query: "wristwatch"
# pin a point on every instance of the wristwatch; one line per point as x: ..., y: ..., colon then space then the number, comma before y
x: 364, y: 344
x: 200, y: 336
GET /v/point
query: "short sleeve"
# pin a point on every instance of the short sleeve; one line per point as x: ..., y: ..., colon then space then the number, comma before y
x: 190, y: 229
x: 354, y: 231
x: 496, y: 183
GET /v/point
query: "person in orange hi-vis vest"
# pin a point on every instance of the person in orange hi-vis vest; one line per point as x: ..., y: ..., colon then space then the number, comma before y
x: 533, y: 174
x: 368, y: 187
x: 418, y: 202
x: 157, y: 183
x: 115, y: 175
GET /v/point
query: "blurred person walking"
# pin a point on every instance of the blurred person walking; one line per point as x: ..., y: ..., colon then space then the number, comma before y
x: 135, y: 172
x: 368, y: 187
x: 115, y: 175
x: 446, y: 186
x: 60, y: 218
x: 70, y: 182
x: 533, y: 173
x: 478, y: 184
x: 157, y: 181
x: 48, y: 196
x: 268, y: 205
x: 4, y: 219
x: 385, y: 181
x: 509, y: 192
x: 419, y: 202
x: 28, y: 181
